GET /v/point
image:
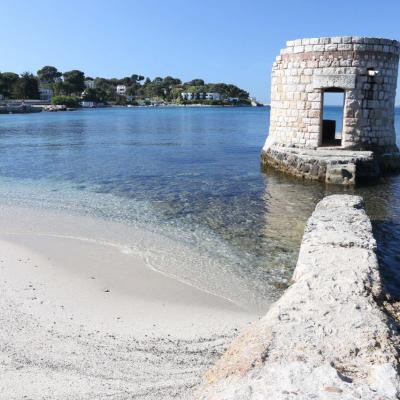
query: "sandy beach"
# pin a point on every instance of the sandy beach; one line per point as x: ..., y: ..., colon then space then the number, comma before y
x: 83, y: 319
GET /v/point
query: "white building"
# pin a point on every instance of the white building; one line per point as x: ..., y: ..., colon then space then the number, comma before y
x: 45, y: 93
x: 121, y: 90
x: 213, y: 96
x: 89, y: 84
x: 187, y: 96
x: 254, y: 102
x: 200, y: 96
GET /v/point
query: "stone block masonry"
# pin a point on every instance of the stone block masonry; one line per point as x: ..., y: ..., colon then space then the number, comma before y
x: 328, y: 337
x: 338, y: 167
x: 364, y: 69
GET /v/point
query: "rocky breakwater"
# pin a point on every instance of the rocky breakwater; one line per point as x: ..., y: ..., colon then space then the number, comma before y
x: 329, y: 336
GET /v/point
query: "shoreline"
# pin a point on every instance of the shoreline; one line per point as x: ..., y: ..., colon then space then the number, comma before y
x: 84, y: 319
x: 33, y: 109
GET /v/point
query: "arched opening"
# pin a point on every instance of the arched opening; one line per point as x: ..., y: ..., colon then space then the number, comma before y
x: 332, y: 117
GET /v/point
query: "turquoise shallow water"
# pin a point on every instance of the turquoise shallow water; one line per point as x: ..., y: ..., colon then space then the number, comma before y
x: 191, y: 175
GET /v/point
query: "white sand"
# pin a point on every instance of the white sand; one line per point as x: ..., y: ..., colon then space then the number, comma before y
x: 80, y: 319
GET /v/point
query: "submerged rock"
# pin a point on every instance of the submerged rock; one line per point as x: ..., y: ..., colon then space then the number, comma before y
x: 329, y: 335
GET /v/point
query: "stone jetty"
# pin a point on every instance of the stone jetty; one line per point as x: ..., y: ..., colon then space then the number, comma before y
x: 305, y: 142
x: 329, y: 336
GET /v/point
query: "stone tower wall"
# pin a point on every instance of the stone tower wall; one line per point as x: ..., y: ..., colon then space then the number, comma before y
x: 307, y: 67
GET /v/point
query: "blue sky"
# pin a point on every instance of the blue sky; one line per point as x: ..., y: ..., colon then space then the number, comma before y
x: 231, y: 41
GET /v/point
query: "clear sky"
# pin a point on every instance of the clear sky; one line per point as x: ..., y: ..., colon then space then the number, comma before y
x: 233, y: 41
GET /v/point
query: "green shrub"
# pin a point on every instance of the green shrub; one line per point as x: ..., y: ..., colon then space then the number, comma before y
x: 68, y: 101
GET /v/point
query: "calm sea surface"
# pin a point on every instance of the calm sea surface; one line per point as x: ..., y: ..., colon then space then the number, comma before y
x: 191, y: 176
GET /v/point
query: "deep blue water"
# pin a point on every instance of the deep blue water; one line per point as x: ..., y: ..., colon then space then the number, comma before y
x: 185, y: 172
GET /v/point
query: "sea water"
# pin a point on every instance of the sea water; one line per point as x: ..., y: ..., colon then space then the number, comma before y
x: 189, y: 180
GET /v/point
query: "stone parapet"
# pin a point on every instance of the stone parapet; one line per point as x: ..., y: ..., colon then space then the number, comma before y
x: 342, y: 43
x: 329, y: 335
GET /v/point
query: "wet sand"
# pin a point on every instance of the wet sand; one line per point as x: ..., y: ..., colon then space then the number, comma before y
x: 81, y: 319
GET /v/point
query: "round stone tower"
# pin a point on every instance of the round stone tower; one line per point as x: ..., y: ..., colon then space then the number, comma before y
x: 364, y: 70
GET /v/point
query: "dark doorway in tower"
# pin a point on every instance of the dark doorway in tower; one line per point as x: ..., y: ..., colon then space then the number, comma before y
x: 332, y: 117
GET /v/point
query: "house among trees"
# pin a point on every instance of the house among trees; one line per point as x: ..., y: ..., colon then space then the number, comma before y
x: 121, y: 90
x: 212, y: 96
x: 45, y: 93
x: 190, y: 96
x: 90, y: 83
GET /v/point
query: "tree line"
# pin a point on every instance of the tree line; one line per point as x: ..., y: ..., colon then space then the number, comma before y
x: 72, y: 84
x: 14, y: 86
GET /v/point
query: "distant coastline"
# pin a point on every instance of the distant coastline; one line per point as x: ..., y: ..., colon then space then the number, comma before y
x: 73, y: 89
